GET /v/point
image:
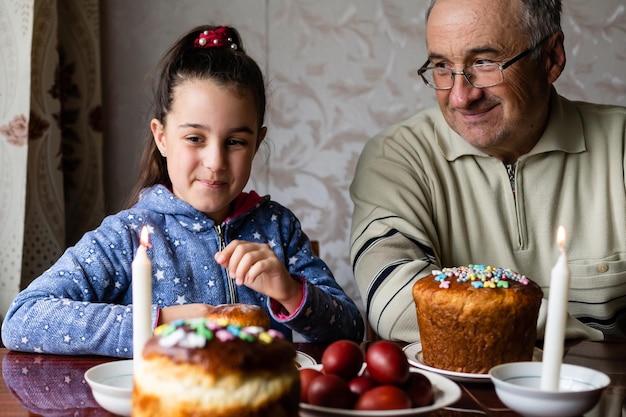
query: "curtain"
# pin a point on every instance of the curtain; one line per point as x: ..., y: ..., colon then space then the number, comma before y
x: 50, y: 134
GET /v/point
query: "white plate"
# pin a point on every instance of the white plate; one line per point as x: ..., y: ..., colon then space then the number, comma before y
x: 446, y: 392
x: 414, y: 354
x: 304, y: 360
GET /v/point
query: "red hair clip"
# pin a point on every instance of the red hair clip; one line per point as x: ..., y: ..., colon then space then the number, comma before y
x: 215, y: 38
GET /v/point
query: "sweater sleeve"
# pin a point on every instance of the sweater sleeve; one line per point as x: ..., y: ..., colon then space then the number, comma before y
x: 82, y: 304
x: 327, y: 313
x: 393, y: 240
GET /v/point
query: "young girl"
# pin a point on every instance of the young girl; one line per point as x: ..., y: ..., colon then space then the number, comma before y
x: 211, y: 243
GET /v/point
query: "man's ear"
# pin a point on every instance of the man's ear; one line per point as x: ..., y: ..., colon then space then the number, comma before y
x: 555, y: 61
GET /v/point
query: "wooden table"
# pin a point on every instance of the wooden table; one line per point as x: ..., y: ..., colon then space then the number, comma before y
x: 50, y: 385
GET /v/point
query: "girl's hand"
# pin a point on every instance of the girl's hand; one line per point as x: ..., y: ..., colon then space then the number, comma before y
x: 256, y: 266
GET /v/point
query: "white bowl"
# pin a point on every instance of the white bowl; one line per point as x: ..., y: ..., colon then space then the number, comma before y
x: 518, y: 385
x: 112, y: 386
x: 445, y: 390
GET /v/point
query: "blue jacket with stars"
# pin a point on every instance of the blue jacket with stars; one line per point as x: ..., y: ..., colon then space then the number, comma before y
x: 83, y: 303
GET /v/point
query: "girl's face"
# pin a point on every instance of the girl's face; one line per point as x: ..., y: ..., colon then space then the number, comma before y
x: 209, y: 138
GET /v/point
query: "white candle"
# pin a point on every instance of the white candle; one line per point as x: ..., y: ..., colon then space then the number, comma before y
x: 142, y: 298
x: 554, y: 338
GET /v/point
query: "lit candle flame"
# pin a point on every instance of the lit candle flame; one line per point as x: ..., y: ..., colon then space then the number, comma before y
x: 560, y: 238
x: 144, y: 240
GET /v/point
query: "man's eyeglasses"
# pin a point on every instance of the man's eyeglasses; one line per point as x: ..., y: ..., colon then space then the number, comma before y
x: 478, y: 75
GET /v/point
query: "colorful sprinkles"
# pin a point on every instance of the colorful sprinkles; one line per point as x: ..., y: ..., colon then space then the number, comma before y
x: 195, y: 333
x: 480, y: 276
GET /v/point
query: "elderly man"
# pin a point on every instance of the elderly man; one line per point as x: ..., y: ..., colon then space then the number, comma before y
x: 489, y: 176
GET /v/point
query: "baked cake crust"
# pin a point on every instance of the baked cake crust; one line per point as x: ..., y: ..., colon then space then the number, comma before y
x: 474, y: 317
x: 203, y: 368
x: 239, y: 314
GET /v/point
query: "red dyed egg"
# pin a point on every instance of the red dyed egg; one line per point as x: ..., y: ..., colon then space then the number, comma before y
x: 387, y: 363
x: 419, y: 389
x: 306, y: 376
x: 343, y: 358
x: 383, y: 397
x: 329, y: 390
x: 361, y: 383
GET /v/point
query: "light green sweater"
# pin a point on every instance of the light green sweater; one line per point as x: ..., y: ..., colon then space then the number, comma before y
x: 424, y: 198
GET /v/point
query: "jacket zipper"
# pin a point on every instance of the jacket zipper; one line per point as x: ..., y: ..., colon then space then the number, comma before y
x: 219, y: 228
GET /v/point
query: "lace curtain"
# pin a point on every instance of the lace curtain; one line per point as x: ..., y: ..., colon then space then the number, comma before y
x: 50, y: 134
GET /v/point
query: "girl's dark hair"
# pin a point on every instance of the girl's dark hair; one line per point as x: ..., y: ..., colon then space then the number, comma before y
x: 228, y: 66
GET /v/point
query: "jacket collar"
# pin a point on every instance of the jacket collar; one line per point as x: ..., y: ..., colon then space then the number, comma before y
x: 160, y: 199
x: 244, y: 203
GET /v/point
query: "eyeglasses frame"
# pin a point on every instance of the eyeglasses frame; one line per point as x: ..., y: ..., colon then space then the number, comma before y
x: 501, y: 67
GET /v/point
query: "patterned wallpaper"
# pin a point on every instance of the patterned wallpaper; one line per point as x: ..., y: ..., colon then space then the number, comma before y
x: 338, y: 71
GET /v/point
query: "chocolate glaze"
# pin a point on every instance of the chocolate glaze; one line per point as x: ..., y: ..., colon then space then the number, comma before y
x: 226, y: 356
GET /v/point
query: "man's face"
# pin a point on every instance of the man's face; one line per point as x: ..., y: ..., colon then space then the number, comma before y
x: 505, y: 120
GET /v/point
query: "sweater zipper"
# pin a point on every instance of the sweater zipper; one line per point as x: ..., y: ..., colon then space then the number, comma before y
x: 511, y: 170
x: 219, y: 228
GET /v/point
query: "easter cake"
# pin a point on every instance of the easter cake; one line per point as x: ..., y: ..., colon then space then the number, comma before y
x: 474, y: 317
x: 201, y: 367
